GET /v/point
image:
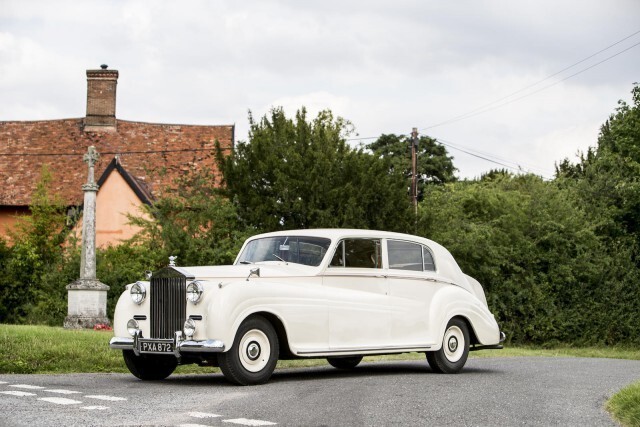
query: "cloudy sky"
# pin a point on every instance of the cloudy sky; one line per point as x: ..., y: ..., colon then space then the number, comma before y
x: 521, y: 83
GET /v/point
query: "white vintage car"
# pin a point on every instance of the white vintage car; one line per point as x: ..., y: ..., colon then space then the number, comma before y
x: 333, y: 293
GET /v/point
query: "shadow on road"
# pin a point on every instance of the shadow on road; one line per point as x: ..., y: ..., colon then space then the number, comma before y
x: 315, y: 373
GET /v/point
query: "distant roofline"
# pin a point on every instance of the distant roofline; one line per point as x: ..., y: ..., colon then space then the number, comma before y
x: 117, y: 120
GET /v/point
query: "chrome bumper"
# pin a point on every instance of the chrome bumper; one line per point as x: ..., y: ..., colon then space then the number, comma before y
x: 180, y: 345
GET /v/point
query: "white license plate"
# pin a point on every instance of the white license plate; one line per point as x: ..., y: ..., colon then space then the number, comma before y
x: 155, y: 346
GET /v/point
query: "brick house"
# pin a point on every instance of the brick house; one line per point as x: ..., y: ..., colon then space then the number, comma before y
x: 138, y: 160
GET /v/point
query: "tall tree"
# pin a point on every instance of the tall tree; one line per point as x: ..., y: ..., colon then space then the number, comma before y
x: 192, y: 221
x: 301, y: 173
x: 434, y: 165
x: 608, y: 177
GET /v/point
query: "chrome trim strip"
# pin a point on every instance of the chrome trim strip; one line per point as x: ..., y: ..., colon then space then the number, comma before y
x: 119, y: 343
x: 208, y: 346
x: 381, y: 350
x: 188, y: 346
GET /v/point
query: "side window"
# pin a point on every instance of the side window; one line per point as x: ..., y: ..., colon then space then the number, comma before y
x: 358, y: 253
x: 405, y: 255
x: 409, y: 256
x: 427, y: 257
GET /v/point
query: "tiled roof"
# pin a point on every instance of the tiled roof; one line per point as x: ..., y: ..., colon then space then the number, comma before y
x: 152, y: 154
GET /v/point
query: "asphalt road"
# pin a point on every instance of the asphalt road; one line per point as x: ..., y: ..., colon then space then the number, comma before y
x: 489, y: 392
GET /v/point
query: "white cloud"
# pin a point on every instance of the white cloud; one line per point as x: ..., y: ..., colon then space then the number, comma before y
x: 387, y: 67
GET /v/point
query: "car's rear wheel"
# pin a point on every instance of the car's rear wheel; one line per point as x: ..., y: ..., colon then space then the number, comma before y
x: 150, y: 367
x: 253, y: 355
x: 344, y: 362
x: 451, y: 358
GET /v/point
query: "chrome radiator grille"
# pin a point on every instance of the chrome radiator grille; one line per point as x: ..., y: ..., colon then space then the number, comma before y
x: 168, y: 305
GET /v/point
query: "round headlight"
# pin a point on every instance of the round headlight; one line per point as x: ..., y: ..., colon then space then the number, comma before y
x: 194, y: 292
x: 138, y: 292
x: 132, y: 327
x: 189, y: 328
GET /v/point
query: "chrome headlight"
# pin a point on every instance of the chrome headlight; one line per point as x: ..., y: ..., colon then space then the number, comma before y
x: 138, y: 292
x: 194, y: 291
x: 189, y: 328
x: 132, y: 327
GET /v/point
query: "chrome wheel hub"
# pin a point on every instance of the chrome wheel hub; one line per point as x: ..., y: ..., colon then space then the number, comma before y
x: 254, y: 350
x: 453, y: 344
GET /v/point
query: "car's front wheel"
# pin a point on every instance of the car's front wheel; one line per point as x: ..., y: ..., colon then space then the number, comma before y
x: 149, y: 367
x: 451, y: 358
x: 344, y: 362
x: 253, y: 355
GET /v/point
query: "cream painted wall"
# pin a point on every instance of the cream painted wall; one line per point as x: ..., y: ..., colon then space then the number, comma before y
x: 114, y: 201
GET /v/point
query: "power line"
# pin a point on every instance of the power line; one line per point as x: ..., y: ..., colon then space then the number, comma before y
x: 516, y: 166
x: 492, y: 105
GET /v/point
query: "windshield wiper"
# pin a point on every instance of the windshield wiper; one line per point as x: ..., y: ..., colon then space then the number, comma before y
x: 246, y: 262
x: 280, y: 258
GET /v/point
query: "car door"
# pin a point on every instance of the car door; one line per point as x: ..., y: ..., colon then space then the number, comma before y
x: 412, y: 285
x: 358, y: 296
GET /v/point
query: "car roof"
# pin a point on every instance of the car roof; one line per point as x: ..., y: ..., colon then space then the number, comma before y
x: 339, y: 233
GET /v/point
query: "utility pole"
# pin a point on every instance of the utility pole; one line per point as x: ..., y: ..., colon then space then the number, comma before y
x: 414, y: 169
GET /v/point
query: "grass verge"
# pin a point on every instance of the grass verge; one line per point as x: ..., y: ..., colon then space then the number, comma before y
x: 625, y: 405
x: 50, y: 350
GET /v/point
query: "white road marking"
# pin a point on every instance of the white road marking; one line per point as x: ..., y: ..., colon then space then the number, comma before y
x: 59, y: 391
x: 95, y: 408
x: 27, y: 386
x: 203, y: 415
x: 3, y: 382
x: 60, y: 400
x: 18, y: 393
x: 246, y: 422
x: 110, y: 398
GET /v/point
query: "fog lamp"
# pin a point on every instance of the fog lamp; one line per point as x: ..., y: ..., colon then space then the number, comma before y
x: 133, y: 327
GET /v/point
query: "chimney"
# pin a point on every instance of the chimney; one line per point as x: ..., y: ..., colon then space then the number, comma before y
x: 101, y: 100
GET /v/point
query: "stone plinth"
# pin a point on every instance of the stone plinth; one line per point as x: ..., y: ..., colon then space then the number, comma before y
x: 87, y: 304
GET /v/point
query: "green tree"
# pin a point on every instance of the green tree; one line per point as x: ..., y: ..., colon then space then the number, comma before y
x: 434, y: 165
x: 608, y: 177
x: 192, y: 221
x: 548, y: 275
x: 300, y: 173
x: 36, y: 250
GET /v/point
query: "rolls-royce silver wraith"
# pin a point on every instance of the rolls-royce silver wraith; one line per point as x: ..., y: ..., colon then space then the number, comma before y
x: 332, y: 293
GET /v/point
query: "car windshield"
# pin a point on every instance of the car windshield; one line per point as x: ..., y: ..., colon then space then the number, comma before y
x: 296, y: 249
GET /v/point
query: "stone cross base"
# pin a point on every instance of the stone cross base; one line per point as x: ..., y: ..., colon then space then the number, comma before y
x: 82, y: 322
x: 87, y: 304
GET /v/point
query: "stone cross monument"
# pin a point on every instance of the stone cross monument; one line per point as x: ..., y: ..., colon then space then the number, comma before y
x: 87, y: 295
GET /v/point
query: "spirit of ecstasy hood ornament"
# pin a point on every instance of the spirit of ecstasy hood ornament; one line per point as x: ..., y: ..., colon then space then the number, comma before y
x: 172, y: 261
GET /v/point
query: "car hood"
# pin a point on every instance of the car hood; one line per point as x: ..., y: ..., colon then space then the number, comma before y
x: 267, y: 270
